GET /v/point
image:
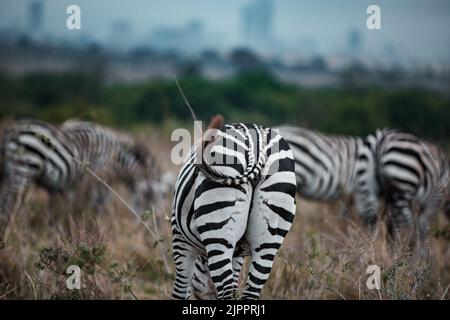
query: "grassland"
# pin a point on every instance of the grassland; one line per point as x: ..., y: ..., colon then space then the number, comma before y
x: 323, y: 257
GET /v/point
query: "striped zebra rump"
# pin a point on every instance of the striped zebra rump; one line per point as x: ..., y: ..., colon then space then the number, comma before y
x: 240, y: 201
x: 415, y: 175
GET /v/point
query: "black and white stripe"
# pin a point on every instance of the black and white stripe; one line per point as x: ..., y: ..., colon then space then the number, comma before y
x: 34, y: 151
x: 415, y: 175
x: 404, y: 170
x: 54, y: 158
x: 202, y: 285
x: 241, y: 207
x: 116, y: 156
x: 330, y: 168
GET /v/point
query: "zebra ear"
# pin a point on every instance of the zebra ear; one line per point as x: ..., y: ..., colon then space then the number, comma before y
x: 217, y: 122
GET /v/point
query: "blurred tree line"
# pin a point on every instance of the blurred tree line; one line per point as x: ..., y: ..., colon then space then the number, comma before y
x: 249, y: 97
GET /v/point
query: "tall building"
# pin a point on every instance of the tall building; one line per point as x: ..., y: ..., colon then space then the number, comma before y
x: 354, y: 42
x: 257, y: 20
x: 189, y: 38
x: 121, y: 36
x: 36, y: 16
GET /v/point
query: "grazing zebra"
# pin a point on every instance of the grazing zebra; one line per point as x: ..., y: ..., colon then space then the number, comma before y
x: 116, y: 156
x: 224, y: 210
x: 331, y: 168
x: 54, y: 158
x: 414, y: 174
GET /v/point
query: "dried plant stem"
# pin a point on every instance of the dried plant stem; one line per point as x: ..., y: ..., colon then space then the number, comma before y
x: 445, y: 293
x: 323, y: 284
x: 155, y: 225
x: 7, y: 293
x: 184, y: 98
x: 162, y: 247
x: 33, y: 287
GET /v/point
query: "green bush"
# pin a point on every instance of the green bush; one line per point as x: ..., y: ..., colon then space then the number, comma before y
x: 248, y: 97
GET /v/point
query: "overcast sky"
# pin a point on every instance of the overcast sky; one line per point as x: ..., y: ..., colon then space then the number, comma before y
x: 417, y: 29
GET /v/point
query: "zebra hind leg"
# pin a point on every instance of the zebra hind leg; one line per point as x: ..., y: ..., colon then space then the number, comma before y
x: 238, y: 262
x: 221, y: 219
x: 13, y: 190
x: 184, y: 257
x: 423, y: 221
x: 367, y: 205
x: 400, y: 218
x: 270, y: 220
x: 422, y: 247
x: 202, y: 285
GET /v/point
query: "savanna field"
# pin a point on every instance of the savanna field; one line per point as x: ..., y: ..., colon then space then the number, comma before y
x: 325, y: 255
x: 314, y: 101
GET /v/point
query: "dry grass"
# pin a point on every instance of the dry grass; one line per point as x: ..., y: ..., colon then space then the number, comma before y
x: 324, y: 256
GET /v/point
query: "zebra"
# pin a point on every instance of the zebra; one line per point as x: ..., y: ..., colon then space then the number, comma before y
x: 414, y: 174
x: 36, y: 152
x: 334, y: 168
x: 225, y: 211
x: 117, y: 156
x: 372, y: 169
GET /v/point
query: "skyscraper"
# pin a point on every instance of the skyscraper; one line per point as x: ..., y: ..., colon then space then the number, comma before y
x: 257, y: 18
x: 121, y: 36
x: 35, y: 16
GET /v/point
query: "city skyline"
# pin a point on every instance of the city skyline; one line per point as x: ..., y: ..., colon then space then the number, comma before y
x: 412, y: 31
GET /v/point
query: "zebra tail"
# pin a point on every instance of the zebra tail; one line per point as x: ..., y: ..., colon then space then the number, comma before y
x: 250, y: 172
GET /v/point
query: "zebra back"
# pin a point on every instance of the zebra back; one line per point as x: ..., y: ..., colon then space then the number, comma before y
x: 414, y: 165
x: 327, y: 166
x: 99, y: 146
x: 117, y: 155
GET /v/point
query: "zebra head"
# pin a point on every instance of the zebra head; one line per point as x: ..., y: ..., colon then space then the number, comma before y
x: 151, y: 186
